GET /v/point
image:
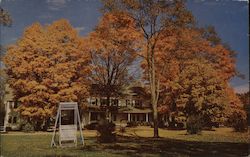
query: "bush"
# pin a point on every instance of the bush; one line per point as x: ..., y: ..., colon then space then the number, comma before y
x: 132, y: 124
x: 173, y: 125
x: 28, y: 127
x: 122, y: 129
x: 238, y: 121
x: 194, y: 124
x: 8, y: 128
x: 145, y: 123
x: 106, y: 132
x: 91, y: 126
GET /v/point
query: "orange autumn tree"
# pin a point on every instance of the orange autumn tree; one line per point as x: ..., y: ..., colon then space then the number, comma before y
x: 236, y: 115
x: 200, y: 92
x: 179, y: 91
x: 112, y: 46
x: 48, y: 64
x: 152, y: 17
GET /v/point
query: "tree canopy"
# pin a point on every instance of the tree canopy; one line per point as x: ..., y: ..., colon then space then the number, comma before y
x: 48, y: 64
x: 112, y: 47
x: 152, y: 18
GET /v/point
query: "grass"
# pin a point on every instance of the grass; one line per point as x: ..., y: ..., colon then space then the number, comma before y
x: 217, y: 135
x: 134, y: 142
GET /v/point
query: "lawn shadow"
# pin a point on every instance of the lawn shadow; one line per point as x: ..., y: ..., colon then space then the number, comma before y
x: 140, y: 146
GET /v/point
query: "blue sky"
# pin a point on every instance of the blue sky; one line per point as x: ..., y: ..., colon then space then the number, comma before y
x: 230, y: 18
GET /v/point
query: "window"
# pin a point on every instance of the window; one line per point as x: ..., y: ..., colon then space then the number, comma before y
x: 144, y: 117
x: 15, y: 104
x: 94, y: 116
x: 138, y: 117
x: 133, y: 117
x: 138, y: 103
x: 14, y: 120
x: 11, y: 104
x: 92, y: 102
x: 127, y: 102
x: 103, y: 102
x: 114, y: 117
x: 9, y: 120
x: 114, y: 102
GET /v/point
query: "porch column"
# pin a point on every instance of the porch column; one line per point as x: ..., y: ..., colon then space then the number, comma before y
x: 83, y: 120
x: 89, y: 118
x: 146, y: 117
x: 128, y: 117
x: 5, y: 123
x: 110, y: 117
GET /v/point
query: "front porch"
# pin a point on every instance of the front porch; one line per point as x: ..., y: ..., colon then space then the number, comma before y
x: 116, y: 117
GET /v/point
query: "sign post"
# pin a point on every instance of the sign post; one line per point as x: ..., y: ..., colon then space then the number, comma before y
x: 67, y: 130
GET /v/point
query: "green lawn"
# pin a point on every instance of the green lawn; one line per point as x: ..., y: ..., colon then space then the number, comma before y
x: 135, y: 142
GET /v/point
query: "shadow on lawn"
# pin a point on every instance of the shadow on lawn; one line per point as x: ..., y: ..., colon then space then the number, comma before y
x: 138, y: 146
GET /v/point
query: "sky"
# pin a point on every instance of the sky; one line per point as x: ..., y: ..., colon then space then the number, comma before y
x: 230, y: 19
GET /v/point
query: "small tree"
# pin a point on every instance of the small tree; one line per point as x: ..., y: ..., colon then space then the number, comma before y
x: 238, y: 120
x: 112, y: 47
x: 244, y: 98
x: 236, y: 115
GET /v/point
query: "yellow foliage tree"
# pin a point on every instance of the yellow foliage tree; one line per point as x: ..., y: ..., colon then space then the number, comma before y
x: 112, y: 45
x: 152, y: 18
x: 195, y: 50
x: 48, y: 64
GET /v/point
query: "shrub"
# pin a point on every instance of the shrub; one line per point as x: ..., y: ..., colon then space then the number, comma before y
x: 106, y: 132
x: 145, y: 123
x: 8, y: 128
x: 194, y: 124
x: 91, y: 126
x: 238, y: 121
x: 122, y: 129
x: 132, y: 124
x: 174, y: 125
x: 28, y: 127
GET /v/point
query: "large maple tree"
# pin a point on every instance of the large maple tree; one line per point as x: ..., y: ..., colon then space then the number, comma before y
x: 152, y: 17
x: 195, y: 68
x: 48, y: 64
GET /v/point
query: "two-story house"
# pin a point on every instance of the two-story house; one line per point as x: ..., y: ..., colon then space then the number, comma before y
x: 131, y: 106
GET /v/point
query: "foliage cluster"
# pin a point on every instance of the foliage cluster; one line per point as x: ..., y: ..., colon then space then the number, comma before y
x: 106, y: 131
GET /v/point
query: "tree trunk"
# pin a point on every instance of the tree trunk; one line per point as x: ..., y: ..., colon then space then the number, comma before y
x: 156, y: 131
x: 46, y: 124
x: 107, y: 109
x: 154, y: 90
